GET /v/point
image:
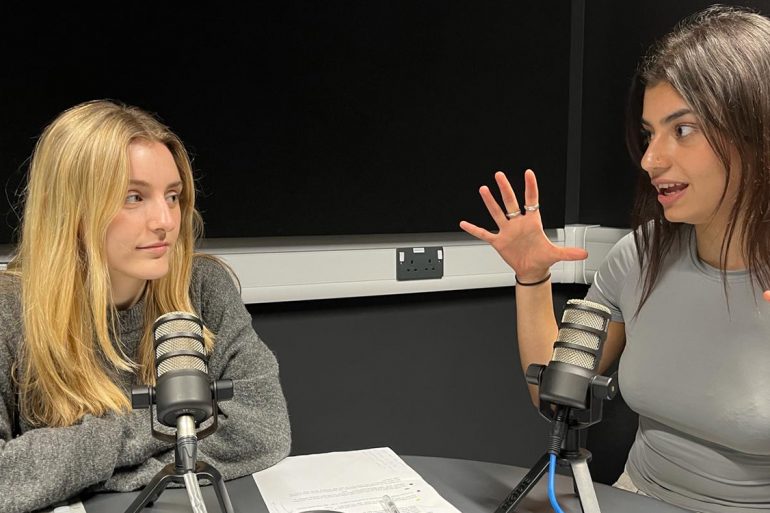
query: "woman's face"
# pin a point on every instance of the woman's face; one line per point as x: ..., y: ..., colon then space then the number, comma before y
x: 141, y: 237
x: 686, y: 172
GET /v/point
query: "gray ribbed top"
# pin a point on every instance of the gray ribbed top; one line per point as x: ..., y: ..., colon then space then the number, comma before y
x: 697, y: 372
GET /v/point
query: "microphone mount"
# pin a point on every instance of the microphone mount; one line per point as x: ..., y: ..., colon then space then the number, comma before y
x: 600, y: 388
x: 145, y: 396
x: 185, y: 453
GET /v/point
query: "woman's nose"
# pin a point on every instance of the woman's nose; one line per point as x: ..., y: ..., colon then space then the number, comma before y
x: 656, y: 156
x: 161, y: 217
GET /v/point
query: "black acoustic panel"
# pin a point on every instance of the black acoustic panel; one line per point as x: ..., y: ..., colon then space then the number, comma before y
x: 311, y: 118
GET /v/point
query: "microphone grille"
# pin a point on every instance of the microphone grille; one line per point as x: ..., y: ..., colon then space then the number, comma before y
x: 579, y: 337
x: 574, y: 357
x: 181, y: 362
x: 170, y: 323
x: 585, y: 317
x: 587, y: 314
x: 179, y: 332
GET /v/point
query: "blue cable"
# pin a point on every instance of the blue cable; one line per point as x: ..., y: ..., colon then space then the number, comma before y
x: 551, y: 487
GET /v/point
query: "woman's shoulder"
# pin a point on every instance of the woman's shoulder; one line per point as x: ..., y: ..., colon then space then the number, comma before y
x: 211, y: 278
x: 10, y: 282
x: 214, y: 290
x: 675, y: 240
x: 628, y: 247
x: 10, y: 307
x: 624, y: 250
x: 10, y: 290
x: 209, y: 268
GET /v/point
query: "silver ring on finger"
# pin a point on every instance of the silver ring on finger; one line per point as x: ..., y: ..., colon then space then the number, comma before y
x: 532, y: 208
x: 511, y: 215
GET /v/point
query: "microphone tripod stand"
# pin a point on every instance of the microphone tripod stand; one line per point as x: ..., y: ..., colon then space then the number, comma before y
x: 172, y: 473
x: 570, y: 453
x: 185, y: 470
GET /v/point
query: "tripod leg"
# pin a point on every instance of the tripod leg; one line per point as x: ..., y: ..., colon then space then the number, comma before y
x: 153, y: 489
x: 203, y: 469
x: 584, y: 485
x: 525, y: 485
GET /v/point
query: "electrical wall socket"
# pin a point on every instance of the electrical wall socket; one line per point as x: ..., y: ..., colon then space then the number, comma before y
x: 419, y: 263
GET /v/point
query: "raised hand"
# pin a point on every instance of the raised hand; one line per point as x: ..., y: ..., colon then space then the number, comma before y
x: 521, y: 241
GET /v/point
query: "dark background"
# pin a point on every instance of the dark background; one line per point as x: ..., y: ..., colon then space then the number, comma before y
x: 346, y: 117
x: 310, y: 118
x: 313, y: 118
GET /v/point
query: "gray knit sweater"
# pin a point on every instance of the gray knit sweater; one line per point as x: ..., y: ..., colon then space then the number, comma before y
x: 39, y: 467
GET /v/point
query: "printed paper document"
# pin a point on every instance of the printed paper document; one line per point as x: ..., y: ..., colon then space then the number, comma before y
x: 347, y: 482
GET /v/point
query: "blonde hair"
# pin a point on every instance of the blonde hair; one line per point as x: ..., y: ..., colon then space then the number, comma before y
x: 78, y: 178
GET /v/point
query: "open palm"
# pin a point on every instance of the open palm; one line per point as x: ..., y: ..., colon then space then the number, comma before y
x: 520, y: 239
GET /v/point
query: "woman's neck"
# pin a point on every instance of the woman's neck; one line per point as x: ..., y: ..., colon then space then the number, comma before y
x: 124, y: 297
x: 709, y: 239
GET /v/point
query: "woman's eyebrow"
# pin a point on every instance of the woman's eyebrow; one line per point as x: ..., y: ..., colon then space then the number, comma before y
x: 142, y: 183
x: 671, y: 117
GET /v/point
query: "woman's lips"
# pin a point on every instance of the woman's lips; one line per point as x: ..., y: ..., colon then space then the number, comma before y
x: 671, y: 197
x: 159, y: 248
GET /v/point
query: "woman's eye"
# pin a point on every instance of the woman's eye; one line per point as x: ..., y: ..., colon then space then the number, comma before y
x: 173, y: 197
x: 133, y: 198
x: 645, y: 136
x: 684, y: 130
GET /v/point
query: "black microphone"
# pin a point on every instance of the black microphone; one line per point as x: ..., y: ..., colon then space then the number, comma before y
x: 183, y: 392
x: 571, y: 394
x: 184, y: 396
x: 182, y: 387
x: 576, y: 353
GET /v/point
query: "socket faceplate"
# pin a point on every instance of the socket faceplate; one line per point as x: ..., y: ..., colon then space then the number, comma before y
x: 419, y: 263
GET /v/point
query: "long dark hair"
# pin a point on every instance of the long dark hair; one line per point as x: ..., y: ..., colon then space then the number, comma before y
x: 718, y: 60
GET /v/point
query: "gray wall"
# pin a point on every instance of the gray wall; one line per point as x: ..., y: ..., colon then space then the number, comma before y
x: 433, y: 374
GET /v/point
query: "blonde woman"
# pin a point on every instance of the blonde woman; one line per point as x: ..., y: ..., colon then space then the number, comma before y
x: 107, y: 245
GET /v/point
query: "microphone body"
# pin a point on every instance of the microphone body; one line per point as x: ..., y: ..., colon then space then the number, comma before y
x: 184, y: 394
x: 182, y: 384
x: 572, y: 371
x: 182, y: 387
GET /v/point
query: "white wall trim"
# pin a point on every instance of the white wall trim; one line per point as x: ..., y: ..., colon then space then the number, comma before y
x: 292, y: 269
x: 302, y: 268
